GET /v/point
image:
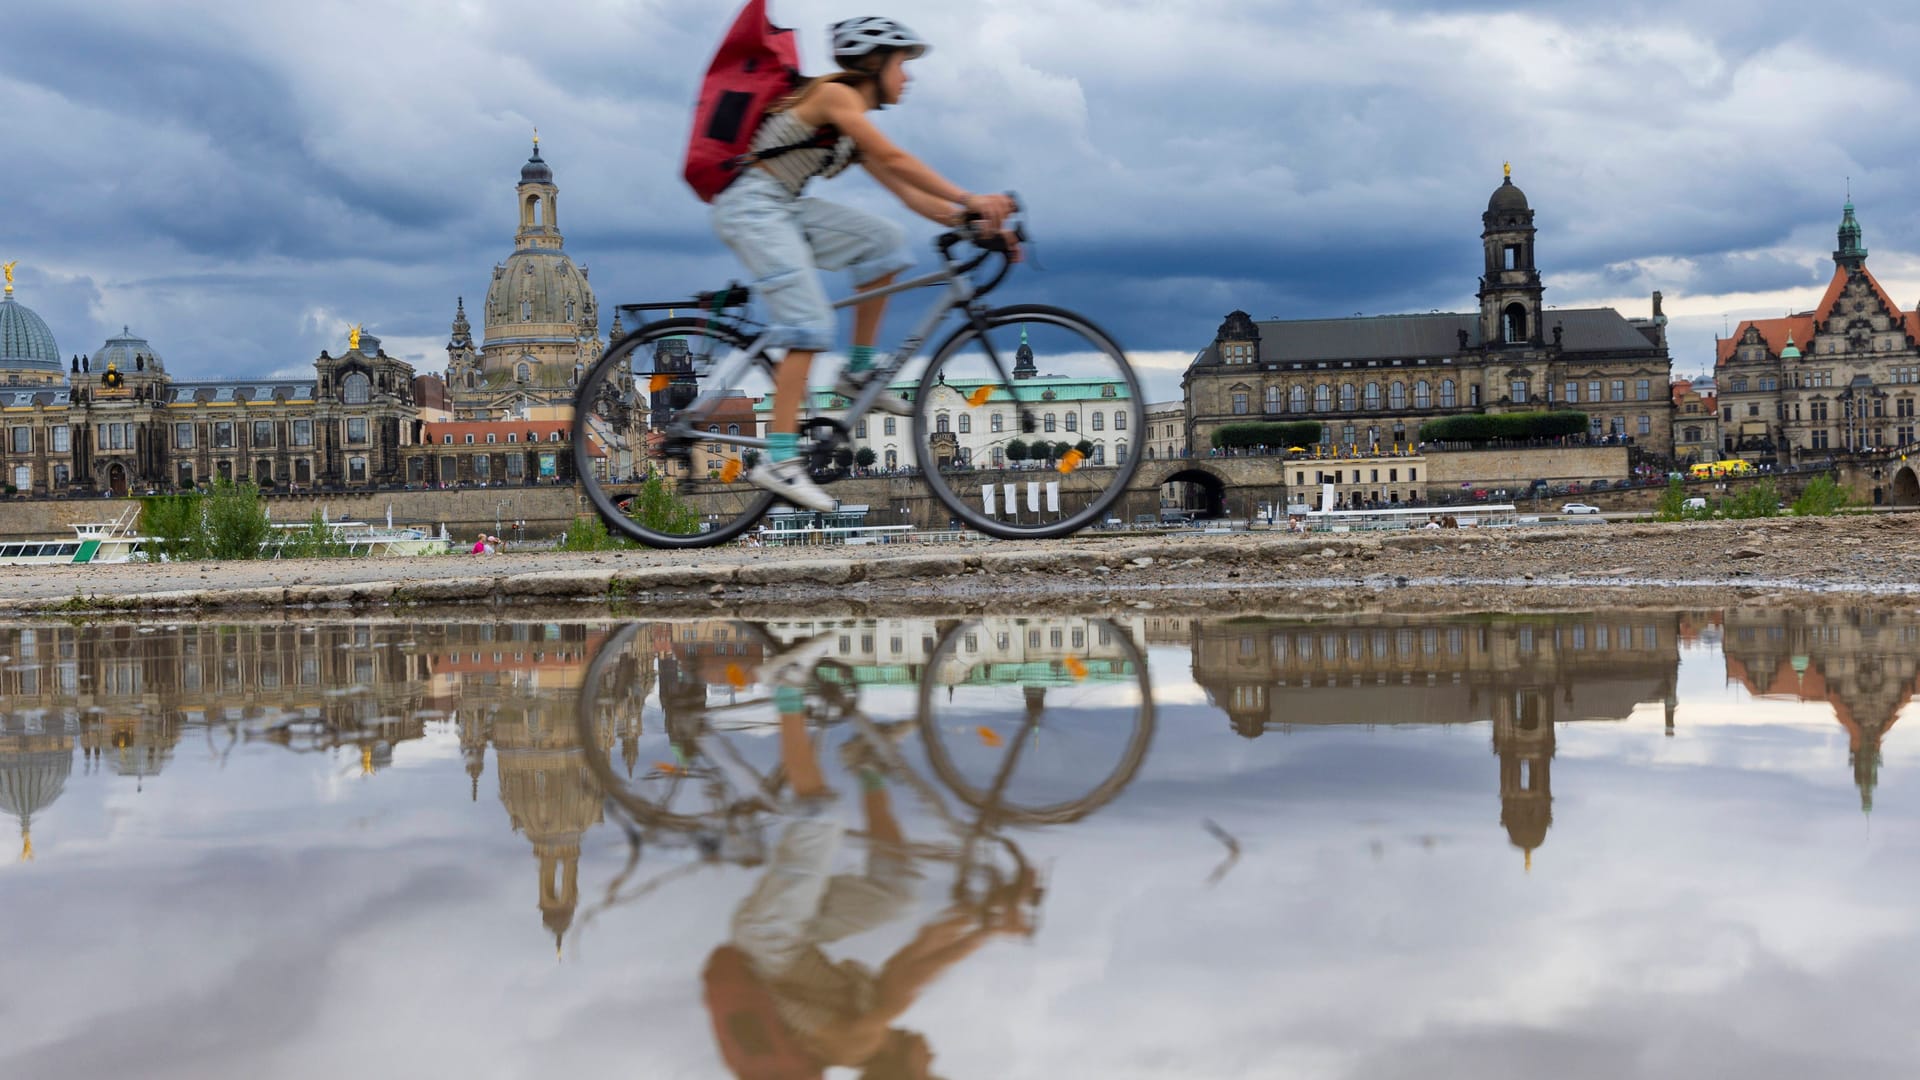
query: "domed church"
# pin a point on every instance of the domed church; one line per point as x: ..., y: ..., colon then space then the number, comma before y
x: 28, y: 354
x: 540, y: 322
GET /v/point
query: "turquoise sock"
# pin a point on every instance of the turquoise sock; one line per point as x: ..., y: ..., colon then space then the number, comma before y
x: 788, y: 700
x: 782, y: 446
x: 860, y: 358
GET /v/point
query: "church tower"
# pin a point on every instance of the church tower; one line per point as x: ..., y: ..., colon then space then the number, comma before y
x: 1852, y: 252
x: 463, y: 363
x: 1523, y: 741
x: 1510, y: 290
x: 541, y: 322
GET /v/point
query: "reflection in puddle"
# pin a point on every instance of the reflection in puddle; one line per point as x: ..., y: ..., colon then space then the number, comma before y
x: 801, y: 840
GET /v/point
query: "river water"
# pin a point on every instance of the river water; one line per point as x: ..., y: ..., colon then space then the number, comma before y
x: 1571, y: 845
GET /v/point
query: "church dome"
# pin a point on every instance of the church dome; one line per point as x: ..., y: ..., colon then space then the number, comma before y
x: 536, y: 171
x: 1507, y: 197
x: 538, y: 294
x: 123, y: 350
x: 25, y: 340
x: 33, y: 772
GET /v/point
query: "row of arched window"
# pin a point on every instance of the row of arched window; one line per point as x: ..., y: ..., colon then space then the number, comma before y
x: 1369, y: 397
x: 1096, y: 421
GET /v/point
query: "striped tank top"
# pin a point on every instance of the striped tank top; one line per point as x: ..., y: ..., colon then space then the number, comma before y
x: 795, y: 167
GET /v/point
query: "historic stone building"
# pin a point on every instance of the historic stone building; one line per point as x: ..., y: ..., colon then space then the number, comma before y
x: 1842, y: 378
x: 1696, y: 421
x: 1371, y: 382
x: 540, y: 322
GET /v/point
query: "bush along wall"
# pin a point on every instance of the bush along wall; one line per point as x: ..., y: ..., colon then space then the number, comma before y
x: 1273, y: 434
x: 1526, y: 425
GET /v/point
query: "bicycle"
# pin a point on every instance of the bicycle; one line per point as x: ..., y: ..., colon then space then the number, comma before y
x: 1049, y: 763
x: 646, y: 402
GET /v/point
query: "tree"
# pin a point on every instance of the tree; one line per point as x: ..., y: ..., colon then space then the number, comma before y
x: 1017, y: 450
x: 750, y: 458
x: 1085, y: 446
x: 865, y: 457
x: 657, y: 508
x: 843, y: 457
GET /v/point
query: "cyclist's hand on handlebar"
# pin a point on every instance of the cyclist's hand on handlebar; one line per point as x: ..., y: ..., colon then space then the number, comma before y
x: 992, y: 212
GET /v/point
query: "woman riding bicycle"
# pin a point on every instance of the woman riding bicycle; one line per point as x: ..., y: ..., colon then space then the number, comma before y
x: 784, y: 237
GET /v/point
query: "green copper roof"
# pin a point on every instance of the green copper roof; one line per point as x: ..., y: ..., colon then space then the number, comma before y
x: 1852, y: 244
x: 25, y: 341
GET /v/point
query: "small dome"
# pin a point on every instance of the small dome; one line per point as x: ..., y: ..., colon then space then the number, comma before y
x: 25, y: 340
x: 123, y: 350
x: 1791, y: 352
x: 1506, y: 197
x: 536, y: 171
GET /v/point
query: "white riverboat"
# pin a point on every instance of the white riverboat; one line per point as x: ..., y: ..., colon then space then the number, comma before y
x: 93, y: 542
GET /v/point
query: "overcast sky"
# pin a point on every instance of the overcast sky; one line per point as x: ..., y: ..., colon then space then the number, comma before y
x: 239, y: 182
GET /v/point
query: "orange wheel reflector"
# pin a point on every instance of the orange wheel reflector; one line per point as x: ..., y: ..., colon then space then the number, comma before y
x: 979, y: 396
x: 1075, y: 668
x: 730, y: 471
x: 736, y: 676
x: 659, y: 381
x: 988, y: 737
x: 1070, y: 461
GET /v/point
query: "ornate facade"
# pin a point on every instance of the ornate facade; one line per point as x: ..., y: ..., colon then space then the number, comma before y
x: 1371, y: 382
x: 1843, y: 378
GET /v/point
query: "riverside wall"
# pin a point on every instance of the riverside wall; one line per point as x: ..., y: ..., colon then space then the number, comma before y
x: 464, y: 511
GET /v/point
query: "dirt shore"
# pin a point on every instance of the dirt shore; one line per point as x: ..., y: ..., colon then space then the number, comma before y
x: 1866, y: 557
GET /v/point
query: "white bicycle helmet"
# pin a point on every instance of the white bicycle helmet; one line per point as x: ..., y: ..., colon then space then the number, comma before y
x: 859, y: 37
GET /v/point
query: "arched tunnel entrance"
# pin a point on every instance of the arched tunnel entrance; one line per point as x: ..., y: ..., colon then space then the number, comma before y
x: 1195, y: 491
x: 1906, y: 488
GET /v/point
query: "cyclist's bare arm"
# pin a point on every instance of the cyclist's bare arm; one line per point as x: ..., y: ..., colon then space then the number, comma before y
x: 934, y: 209
x: 843, y: 107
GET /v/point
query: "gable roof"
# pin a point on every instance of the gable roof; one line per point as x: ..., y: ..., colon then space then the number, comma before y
x: 1801, y: 327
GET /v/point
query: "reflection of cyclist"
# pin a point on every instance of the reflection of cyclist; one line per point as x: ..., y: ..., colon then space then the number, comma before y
x: 778, y: 1002
x: 784, y: 237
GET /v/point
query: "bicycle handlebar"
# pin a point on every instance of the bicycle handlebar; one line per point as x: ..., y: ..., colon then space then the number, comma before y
x: 990, y: 244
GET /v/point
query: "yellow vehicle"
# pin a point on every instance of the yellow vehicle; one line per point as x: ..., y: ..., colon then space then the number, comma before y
x: 1708, y: 470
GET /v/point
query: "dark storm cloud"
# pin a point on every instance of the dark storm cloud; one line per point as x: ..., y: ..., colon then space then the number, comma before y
x: 239, y: 182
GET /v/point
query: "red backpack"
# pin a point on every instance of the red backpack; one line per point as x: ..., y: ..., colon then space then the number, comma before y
x: 757, y: 64
x: 755, y: 1043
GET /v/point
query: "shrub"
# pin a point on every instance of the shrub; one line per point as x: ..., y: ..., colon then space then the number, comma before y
x: 236, y: 523
x: 657, y: 508
x: 316, y: 541
x: 1272, y: 434
x: 1673, y: 505
x: 589, y: 533
x: 1017, y: 450
x: 1762, y: 500
x: 1526, y: 425
x: 865, y: 457
x: 174, y: 526
x: 1822, y: 497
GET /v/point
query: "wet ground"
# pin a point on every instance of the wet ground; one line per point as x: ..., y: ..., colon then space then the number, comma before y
x: 1717, y: 562
x: 1634, y: 842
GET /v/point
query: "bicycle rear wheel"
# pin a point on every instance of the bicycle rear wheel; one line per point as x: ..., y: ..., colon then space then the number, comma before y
x: 1028, y: 423
x: 663, y: 490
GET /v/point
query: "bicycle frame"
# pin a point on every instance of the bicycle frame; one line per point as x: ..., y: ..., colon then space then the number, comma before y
x: 959, y: 293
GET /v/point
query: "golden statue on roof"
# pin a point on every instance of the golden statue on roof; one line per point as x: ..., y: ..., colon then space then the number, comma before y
x: 1507, y: 168
x: 8, y: 269
x: 353, y: 337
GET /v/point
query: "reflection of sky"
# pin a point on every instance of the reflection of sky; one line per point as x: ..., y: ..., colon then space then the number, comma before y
x: 1707, y: 903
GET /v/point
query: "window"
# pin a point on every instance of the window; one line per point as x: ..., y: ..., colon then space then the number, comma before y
x: 356, y: 388
x: 61, y: 439
x: 303, y: 433
x: 357, y: 470
x: 1619, y: 389
x: 1573, y: 393
x: 513, y: 437
x: 1073, y: 421
x: 1296, y: 400
x: 1100, y: 454
x: 490, y: 438
x: 1901, y: 407
x: 942, y: 424
x: 1120, y: 454
x: 1347, y: 397
x: 1098, y: 421
x: 446, y: 440
x: 999, y: 457
x: 1446, y: 394
x: 887, y: 426
x: 183, y: 436
x: 23, y: 443
x: 263, y: 433
x: 1323, y: 398
x: 1646, y: 425
x: 482, y: 466
x: 1047, y: 422
x: 1517, y: 391
x: 185, y: 475
x: 1643, y: 390
x: 222, y: 435
x: 996, y: 422
x: 1819, y: 439
x: 1273, y: 399
x: 357, y: 430
x: 1816, y: 410
x: 1239, y: 404
x: 966, y: 424
x: 1753, y: 408
x: 1119, y: 420
x: 516, y: 466
x: 860, y: 430
x: 1396, y: 395
x: 1422, y: 395
x: 523, y: 372
x: 1371, y: 396
x: 553, y: 436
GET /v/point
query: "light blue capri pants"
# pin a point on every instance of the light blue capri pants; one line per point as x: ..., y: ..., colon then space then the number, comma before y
x: 784, y: 239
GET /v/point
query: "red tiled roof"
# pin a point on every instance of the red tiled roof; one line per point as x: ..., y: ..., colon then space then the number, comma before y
x: 525, y: 432
x: 1775, y: 332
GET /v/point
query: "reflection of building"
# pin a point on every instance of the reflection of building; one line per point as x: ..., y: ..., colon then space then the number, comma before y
x: 1003, y: 648
x: 1521, y: 674
x: 1866, y: 664
x: 1373, y: 381
x: 34, y: 765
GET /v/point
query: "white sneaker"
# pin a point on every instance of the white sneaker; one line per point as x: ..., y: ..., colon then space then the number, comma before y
x: 789, y: 480
x: 851, y: 383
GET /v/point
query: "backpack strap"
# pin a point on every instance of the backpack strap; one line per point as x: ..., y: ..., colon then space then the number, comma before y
x: 820, y: 140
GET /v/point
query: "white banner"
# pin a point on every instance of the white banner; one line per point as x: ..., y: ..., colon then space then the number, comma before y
x: 1033, y: 495
x: 1053, y: 496
x: 986, y: 499
x: 1013, y: 505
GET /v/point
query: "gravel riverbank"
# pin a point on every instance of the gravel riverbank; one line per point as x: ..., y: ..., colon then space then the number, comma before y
x: 1706, y: 562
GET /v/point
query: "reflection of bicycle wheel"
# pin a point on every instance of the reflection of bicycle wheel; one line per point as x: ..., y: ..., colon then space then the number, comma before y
x: 651, y: 689
x: 1039, y: 721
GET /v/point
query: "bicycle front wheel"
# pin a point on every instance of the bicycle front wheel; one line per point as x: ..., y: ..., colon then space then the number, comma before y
x: 664, y: 488
x: 1029, y: 422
